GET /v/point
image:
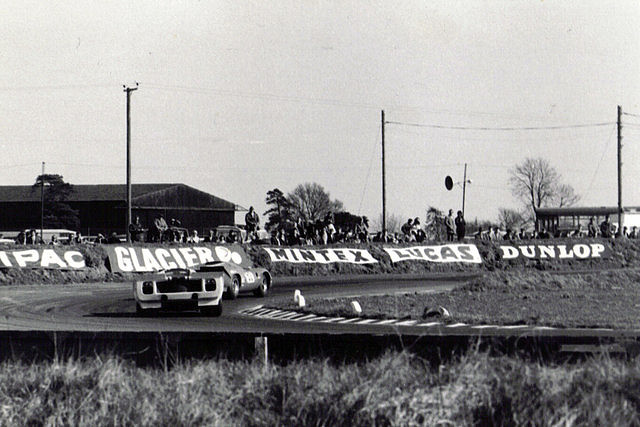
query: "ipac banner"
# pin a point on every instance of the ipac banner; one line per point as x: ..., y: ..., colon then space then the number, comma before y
x: 321, y: 256
x: 130, y: 259
x: 556, y: 251
x: 440, y: 253
x: 56, y: 258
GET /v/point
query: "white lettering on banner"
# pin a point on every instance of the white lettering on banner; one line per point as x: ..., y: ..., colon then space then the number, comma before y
x: 42, y: 258
x: 579, y: 251
x: 440, y: 253
x: 321, y: 256
x: 141, y: 260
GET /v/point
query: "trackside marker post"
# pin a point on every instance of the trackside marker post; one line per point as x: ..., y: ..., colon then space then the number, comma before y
x: 355, y: 305
x: 301, y: 301
x: 296, y: 295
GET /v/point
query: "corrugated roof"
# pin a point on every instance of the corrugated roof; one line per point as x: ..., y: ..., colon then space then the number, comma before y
x: 141, y: 194
x: 583, y: 211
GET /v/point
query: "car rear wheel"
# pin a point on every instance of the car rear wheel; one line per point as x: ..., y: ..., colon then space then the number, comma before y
x: 262, y: 290
x: 213, y: 311
x: 234, y: 288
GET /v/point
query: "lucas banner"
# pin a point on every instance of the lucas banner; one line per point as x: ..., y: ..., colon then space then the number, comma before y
x: 129, y: 259
x: 58, y: 259
x: 321, y: 256
x: 576, y: 251
x: 441, y: 253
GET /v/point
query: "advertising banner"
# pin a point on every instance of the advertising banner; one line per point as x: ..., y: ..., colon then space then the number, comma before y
x: 556, y: 251
x: 440, y: 253
x: 129, y: 259
x: 321, y: 256
x: 42, y: 258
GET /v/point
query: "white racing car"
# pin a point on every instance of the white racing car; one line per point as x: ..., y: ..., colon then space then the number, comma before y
x: 181, y: 289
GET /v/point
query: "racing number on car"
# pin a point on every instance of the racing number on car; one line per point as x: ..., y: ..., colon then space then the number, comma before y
x: 249, y: 277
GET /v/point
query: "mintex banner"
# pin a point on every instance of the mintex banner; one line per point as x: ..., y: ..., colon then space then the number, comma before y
x: 321, y: 256
x: 128, y: 259
x: 575, y: 251
x: 42, y: 258
x: 441, y: 253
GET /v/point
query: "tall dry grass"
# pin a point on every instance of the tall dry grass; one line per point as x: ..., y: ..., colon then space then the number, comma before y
x: 395, y: 389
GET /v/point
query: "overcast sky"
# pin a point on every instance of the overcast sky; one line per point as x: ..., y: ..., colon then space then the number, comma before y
x: 239, y: 97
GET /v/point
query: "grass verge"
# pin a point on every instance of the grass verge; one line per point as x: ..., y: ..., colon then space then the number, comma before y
x: 394, y: 389
x: 608, y: 299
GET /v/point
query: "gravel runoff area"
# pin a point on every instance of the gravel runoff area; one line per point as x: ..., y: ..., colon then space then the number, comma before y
x: 601, y: 299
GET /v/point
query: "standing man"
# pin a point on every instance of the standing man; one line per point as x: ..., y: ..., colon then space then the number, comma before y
x: 449, y: 222
x: 592, y: 229
x: 460, y: 226
x: 605, y: 227
x: 251, y: 220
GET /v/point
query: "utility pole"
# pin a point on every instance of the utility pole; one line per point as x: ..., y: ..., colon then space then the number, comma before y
x: 464, y: 187
x: 42, y: 204
x: 620, y: 169
x: 384, y: 189
x: 128, y: 90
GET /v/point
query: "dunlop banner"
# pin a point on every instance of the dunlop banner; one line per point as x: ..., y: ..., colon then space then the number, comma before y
x: 441, y: 253
x: 556, y: 251
x: 42, y: 258
x: 129, y: 259
x: 321, y: 256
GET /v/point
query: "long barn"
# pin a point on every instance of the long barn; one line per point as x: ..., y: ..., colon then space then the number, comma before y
x: 102, y: 208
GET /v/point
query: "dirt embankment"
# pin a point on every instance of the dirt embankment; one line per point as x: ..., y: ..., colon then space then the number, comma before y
x: 622, y: 253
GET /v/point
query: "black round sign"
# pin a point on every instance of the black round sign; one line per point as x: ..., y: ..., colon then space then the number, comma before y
x: 448, y: 182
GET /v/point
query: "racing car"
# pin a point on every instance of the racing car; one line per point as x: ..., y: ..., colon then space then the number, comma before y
x: 181, y: 289
x: 240, y: 279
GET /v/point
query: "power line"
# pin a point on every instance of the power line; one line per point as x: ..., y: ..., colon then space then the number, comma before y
x: 630, y: 114
x: 525, y: 128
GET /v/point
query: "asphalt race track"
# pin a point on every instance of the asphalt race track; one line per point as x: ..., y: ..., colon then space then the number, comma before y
x: 109, y: 307
x: 102, y: 307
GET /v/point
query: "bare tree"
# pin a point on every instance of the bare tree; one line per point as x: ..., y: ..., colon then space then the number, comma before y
x: 311, y: 202
x: 537, y: 184
x: 565, y: 196
x: 510, y: 218
x: 394, y: 222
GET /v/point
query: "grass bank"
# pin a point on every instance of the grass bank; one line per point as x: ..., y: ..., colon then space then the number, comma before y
x: 394, y: 389
x: 607, y: 299
x: 624, y: 253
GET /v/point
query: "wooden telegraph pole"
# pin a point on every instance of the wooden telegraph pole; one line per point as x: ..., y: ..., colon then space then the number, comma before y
x: 128, y: 90
x: 620, y: 169
x: 384, y: 189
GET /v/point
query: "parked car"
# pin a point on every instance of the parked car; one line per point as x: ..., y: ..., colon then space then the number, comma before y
x: 181, y: 289
x: 239, y: 279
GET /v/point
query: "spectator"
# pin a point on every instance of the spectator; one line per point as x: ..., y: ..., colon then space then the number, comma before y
x: 577, y: 232
x: 592, y: 230
x: 251, y: 220
x: 32, y: 238
x: 449, y: 222
x: 605, y: 227
x: 494, y: 233
x: 194, y: 238
x: 21, y: 239
x: 522, y: 235
x: 54, y: 241
x: 406, y: 228
x: 460, y: 226
x: 478, y: 235
x: 634, y: 232
x: 100, y: 239
x: 113, y: 238
x: 417, y: 231
x: 160, y: 228
x: 136, y: 231
x: 544, y: 234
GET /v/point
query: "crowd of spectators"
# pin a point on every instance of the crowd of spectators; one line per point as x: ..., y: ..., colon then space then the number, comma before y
x: 325, y: 231
x: 320, y: 232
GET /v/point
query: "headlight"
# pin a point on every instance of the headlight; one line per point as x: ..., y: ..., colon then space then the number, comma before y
x: 210, y: 285
x: 147, y: 288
